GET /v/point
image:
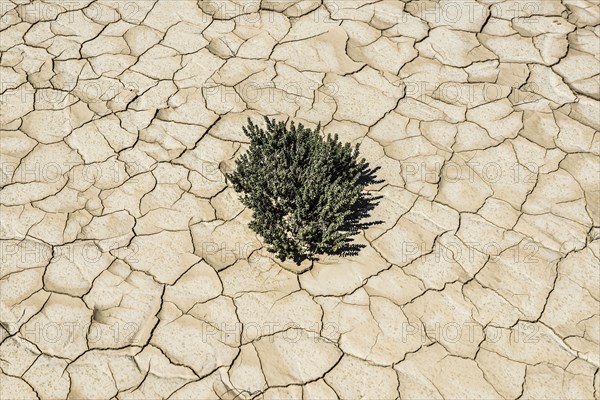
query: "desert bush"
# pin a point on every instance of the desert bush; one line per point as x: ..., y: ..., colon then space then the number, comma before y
x: 307, y: 192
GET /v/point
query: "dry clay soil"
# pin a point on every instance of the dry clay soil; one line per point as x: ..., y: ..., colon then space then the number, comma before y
x: 128, y: 269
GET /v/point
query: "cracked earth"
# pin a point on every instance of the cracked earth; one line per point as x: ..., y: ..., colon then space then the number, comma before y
x: 128, y: 270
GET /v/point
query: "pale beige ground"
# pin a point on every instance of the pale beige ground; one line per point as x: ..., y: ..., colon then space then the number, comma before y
x: 128, y: 270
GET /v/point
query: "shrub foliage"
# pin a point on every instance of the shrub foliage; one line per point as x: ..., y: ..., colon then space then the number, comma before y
x: 306, y: 191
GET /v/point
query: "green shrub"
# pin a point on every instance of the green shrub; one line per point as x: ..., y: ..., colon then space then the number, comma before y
x: 306, y: 192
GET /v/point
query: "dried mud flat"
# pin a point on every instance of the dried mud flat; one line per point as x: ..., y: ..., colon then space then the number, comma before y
x: 128, y: 270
